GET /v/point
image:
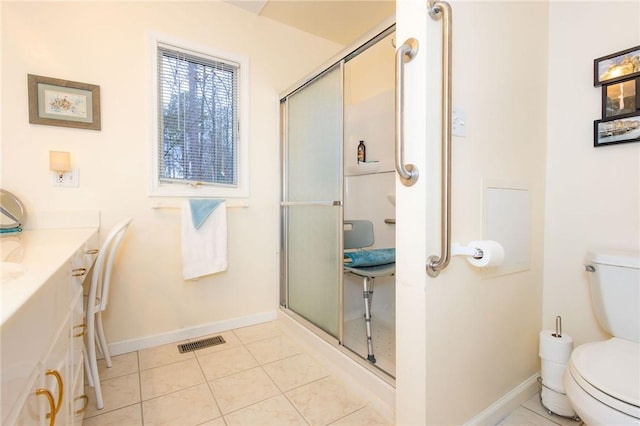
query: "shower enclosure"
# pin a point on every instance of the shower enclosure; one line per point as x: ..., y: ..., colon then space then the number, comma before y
x: 323, y: 120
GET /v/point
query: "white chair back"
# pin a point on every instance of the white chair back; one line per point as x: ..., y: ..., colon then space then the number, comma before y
x: 101, y: 279
x: 97, y: 302
x: 358, y: 234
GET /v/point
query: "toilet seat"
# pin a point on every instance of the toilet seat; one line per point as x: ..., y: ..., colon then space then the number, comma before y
x: 609, y: 372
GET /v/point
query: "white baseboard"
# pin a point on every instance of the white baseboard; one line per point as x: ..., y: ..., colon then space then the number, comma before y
x: 508, y: 403
x: 125, y: 346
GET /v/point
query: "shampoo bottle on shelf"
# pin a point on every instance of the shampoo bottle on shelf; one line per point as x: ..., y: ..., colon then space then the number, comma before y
x: 362, y: 152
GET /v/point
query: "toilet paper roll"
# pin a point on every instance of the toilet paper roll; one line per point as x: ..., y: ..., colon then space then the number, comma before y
x: 551, y: 373
x: 557, y: 403
x: 493, y: 253
x: 556, y: 349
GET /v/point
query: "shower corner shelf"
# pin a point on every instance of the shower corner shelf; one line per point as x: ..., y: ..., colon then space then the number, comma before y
x: 364, y: 168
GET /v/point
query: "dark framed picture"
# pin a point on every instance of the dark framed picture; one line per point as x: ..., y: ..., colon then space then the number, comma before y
x: 618, y: 130
x: 617, y: 66
x: 620, y: 98
x: 57, y: 102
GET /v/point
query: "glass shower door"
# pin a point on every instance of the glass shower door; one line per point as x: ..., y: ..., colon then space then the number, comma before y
x: 312, y: 201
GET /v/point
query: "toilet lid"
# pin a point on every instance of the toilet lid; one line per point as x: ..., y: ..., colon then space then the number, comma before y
x: 613, y: 368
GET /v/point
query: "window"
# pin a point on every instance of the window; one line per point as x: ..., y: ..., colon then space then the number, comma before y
x: 199, y: 143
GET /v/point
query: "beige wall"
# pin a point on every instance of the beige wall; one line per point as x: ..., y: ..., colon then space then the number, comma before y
x: 106, y: 44
x: 593, y: 194
x: 481, y: 334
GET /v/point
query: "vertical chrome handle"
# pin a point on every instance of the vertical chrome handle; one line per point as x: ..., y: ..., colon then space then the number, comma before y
x: 408, y: 173
x: 436, y: 264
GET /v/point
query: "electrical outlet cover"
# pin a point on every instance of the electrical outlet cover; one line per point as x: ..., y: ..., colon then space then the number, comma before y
x: 70, y: 179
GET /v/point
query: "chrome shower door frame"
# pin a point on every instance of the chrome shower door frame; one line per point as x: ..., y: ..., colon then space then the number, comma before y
x: 289, y: 205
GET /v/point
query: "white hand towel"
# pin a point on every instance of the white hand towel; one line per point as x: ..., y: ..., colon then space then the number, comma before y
x: 204, y: 250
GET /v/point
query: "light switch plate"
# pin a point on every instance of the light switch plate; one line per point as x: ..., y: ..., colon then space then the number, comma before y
x: 458, y: 122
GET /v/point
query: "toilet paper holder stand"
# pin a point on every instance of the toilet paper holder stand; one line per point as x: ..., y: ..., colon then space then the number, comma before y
x: 575, y: 418
x: 558, y: 332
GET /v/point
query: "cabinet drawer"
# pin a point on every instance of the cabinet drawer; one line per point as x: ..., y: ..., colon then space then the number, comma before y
x: 27, y: 410
x: 25, y: 338
x: 78, y: 400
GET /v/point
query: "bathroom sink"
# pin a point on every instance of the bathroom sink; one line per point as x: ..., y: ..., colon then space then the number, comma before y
x: 10, y: 271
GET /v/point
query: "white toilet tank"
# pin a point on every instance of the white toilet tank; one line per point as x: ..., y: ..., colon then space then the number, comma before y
x: 614, y: 280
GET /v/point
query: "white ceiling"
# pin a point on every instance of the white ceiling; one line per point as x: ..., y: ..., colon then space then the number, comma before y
x: 341, y: 21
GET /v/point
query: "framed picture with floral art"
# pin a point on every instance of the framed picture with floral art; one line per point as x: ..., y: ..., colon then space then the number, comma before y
x: 57, y: 102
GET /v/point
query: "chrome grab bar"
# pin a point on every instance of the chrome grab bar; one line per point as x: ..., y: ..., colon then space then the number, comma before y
x: 409, y: 173
x: 435, y: 264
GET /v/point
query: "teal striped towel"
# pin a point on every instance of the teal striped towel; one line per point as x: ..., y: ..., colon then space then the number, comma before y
x: 11, y: 230
x: 365, y: 258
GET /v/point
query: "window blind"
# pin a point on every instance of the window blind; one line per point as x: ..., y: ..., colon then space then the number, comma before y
x: 197, y: 118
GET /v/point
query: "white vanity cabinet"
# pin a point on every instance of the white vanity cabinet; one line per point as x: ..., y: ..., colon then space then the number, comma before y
x: 42, y: 370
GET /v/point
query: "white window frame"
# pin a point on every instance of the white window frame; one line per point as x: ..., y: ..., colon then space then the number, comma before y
x: 159, y: 188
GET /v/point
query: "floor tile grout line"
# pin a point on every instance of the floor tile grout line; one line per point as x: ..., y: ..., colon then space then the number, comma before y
x: 252, y: 404
x: 244, y: 345
x: 549, y: 416
x: 100, y: 413
x: 534, y: 412
x: 261, y: 366
x: 545, y: 415
x: 345, y: 416
x: 140, y: 387
x: 280, y: 333
x: 295, y: 407
x: 141, y: 406
x: 206, y: 382
x: 186, y: 358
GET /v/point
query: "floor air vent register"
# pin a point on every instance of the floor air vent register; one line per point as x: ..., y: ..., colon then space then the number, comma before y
x: 200, y: 344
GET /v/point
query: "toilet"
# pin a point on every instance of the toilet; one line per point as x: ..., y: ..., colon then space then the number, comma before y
x: 602, y: 380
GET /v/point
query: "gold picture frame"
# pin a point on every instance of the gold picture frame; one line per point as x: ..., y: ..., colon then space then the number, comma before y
x: 57, y: 102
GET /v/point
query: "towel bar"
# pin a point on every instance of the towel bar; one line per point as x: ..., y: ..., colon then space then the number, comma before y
x: 230, y: 205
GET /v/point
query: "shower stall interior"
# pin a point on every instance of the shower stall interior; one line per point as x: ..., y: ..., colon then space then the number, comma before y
x: 323, y: 121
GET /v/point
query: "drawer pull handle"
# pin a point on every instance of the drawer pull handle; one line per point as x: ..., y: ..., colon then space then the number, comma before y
x: 85, y: 398
x: 52, y: 415
x: 78, y: 272
x: 60, y: 388
x: 92, y: 251
x: 81, y: 333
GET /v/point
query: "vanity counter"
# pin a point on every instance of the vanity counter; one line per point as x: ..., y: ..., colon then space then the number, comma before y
x: 33, y: 257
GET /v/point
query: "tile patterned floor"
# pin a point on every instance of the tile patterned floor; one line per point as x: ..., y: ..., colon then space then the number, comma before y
x: 258, y: 377
x: 532, y: 413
